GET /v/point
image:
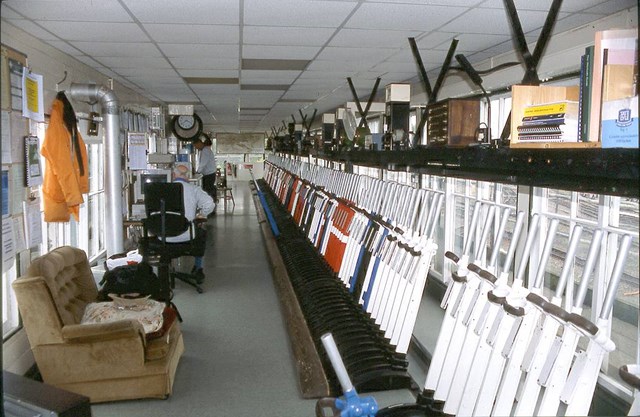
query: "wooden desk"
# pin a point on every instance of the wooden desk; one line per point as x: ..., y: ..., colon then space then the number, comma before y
x: 22, y: 394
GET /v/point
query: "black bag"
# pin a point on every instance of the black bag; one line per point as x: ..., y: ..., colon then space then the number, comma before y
x: 130, y: 281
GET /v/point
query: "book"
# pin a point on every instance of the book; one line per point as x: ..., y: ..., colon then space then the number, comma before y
x: 620, y: 123
x: 617, y: 40
x: 546, y: 138
x: 569, y: 108
x: 586, y: 96
x: 581, y: 96
x: 570, y: 129
x: 544, y: 119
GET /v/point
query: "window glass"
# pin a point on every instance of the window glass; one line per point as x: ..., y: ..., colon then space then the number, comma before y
x: 616, y: 216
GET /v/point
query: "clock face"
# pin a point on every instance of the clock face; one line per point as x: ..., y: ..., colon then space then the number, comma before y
x: 186, y: 122
x: 187, y: 127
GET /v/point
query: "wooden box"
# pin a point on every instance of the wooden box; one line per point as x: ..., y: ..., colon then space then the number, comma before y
x: 453, y: 122
x: 526, y: 95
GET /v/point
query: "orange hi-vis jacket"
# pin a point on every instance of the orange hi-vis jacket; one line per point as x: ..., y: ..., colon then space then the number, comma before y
x: 63, y: 183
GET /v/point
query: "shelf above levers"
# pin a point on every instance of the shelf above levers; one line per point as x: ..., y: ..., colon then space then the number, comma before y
x: 603, y: 171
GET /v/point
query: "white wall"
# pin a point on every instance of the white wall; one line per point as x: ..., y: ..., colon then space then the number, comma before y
x: 51, y: 64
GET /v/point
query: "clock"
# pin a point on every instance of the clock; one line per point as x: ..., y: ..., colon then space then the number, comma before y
x: 187, y: 127
x: 186, y: 122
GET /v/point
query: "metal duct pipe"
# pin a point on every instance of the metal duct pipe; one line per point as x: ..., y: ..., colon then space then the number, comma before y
x: 112, y: 168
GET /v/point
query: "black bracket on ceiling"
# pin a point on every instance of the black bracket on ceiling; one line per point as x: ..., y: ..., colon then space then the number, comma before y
x: 531, y: 61
x: 363, y: 113
x: 306, y: 125
x: 432, y: 94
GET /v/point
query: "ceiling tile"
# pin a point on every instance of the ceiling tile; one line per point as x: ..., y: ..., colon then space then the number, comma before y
x: 373, y: 38
x: 348, y: 66
x: 197, y: 51
x: 149, y: 71
x: 571, y: 6
x: 200, y: 34
x: 303, y: 95
x: 211, y: 81
x: 435, y: 39
x: 413, y: 17
x: 285, y: 36
x: 334, y: 74
x: 192, y: 12
x: 477, y: 21
x: 296, y: 13
x: 71, y: 10
x: 264, y: 87
x: 265, y: 76
x: 32, y: 28
x: 152, y: 81
x: 204, y: 89
x: 134, y: 49
x: 279, y: 52
x: 176, y: 97
x: 186, y: 64
x: 133, y: 62
x: 274, y: 64
x: 95, y: 31
x: 207, y: 64
x: 607, y: 7
x: 66, y: 48
x: 470, y: 42
x: 208, y: 73
x: 465, y: 3
x: 363, y: 56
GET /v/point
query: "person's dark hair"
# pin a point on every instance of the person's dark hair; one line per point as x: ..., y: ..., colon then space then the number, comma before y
x: 206, y: 139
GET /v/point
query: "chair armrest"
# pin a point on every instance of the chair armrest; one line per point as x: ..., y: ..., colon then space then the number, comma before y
x: 121, y: 329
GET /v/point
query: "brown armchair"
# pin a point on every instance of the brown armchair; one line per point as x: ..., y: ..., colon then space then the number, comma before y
x: 105, y: 361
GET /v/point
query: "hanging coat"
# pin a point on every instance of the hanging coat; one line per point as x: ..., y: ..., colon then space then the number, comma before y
x: 66, y: 176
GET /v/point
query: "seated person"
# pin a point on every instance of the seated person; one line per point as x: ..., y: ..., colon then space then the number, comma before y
x: 197, y: 203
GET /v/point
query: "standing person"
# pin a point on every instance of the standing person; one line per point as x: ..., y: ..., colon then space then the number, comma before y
x: 207, y: 166
x: 197, y: 203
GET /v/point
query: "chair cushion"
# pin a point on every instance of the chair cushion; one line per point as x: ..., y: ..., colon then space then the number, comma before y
x: 147, y: 312
x: 158, y: 343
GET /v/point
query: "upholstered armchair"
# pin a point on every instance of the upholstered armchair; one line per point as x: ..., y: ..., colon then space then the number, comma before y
x: 103, y: 361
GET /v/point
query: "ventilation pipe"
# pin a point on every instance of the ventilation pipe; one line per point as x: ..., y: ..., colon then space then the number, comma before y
x: 113, y: 171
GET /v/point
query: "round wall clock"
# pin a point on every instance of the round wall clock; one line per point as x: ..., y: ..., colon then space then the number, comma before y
x: 187, y: 127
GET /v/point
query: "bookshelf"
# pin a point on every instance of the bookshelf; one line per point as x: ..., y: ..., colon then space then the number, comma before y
x: 525, y: 95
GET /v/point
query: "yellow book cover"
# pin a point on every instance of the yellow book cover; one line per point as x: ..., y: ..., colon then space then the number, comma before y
x: 569, y: 108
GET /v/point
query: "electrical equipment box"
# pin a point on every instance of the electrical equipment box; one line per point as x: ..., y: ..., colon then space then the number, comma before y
x: 375, y: 107
x: 398, y: 93
x: 180, y: 109
x: 328, y: 121
x: 161, y: 158
x: 453, y: 122
x: 157, y: 118
x: 397, y: 109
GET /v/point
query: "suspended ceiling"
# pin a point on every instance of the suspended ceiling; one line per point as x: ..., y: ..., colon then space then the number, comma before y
x: 248, y: 65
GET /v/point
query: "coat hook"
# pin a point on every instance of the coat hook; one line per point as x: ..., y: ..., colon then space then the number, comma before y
x: 61, y: 81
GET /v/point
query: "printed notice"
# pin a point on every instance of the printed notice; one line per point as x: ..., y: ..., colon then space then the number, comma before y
x: 32, y: 222
x: 8, y: 244
x: 32, y: 92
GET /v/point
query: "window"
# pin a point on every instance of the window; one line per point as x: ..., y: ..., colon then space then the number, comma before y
x: 617, y: 216
x: 87, y: 234
x: 9, y: 306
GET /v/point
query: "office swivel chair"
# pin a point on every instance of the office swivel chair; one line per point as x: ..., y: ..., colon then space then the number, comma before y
x: 164, y: 207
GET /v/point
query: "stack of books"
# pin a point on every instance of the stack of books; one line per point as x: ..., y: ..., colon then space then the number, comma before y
x: 550, y: 122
